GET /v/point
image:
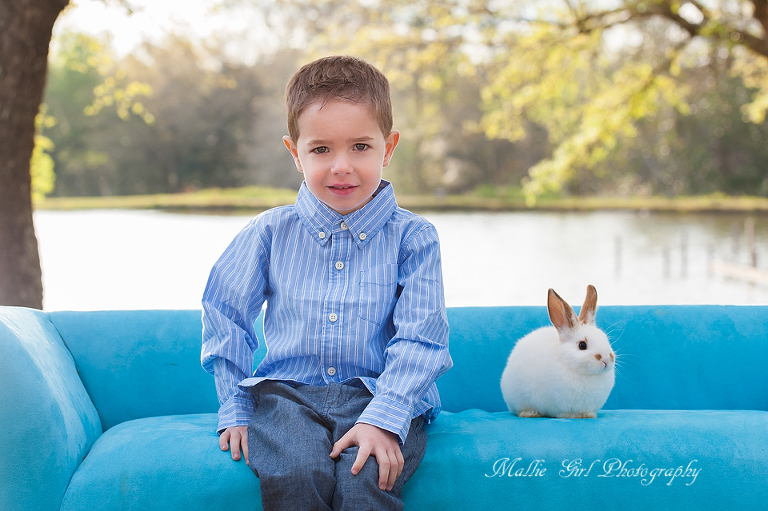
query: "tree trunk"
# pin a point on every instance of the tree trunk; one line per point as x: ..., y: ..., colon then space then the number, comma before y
x: 25, y: 34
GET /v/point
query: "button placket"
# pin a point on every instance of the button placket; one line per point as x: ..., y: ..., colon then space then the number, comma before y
x: 335, y: 300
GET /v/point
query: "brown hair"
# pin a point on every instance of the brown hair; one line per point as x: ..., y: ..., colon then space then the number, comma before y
x: 338, y: 77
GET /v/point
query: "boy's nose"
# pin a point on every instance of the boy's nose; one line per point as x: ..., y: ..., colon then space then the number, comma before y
x: 341, y: 165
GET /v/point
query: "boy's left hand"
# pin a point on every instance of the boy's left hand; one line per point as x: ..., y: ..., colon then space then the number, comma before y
x: 381, y: 444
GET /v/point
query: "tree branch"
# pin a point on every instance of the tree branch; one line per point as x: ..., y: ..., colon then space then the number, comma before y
x: 761, y: 15
x: 727, y: 33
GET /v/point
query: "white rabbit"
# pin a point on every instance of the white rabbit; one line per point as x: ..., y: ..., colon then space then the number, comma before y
x: 565, y: 370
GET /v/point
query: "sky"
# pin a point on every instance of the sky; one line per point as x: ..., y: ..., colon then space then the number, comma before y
x: 154, y: 19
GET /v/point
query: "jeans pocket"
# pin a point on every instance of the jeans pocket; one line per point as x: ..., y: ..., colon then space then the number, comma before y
x: 378, y: 288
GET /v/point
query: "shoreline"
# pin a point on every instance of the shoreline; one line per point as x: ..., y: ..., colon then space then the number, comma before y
x: 260, y: 199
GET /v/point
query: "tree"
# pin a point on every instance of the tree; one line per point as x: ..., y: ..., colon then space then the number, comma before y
x: 589, y: 74
x: 206, y: 120
x: 25, y: 34
x: 90, y: 98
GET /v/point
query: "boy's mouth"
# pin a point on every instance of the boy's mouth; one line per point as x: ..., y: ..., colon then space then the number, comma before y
x: 342, y: 189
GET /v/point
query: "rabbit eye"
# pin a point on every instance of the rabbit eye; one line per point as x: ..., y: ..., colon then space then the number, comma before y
x: 583, y: 345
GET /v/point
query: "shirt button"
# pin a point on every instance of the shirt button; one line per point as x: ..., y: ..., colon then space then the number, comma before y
x: 333, y: 317
x: 344, y: 226
x: 363, y: 236
x: 321, y: 234
x: 331, y: 371
x: 339, y: 265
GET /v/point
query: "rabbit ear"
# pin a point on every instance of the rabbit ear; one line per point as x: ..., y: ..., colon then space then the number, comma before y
x: 588, y: 310
x: 560, y: 313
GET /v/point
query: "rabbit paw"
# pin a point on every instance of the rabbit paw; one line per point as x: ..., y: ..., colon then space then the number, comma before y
x: 582, y: 415
x: 528, y: 413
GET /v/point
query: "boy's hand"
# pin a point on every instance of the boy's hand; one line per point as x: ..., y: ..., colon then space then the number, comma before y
x: 381, y: 444
x: 237, y: 437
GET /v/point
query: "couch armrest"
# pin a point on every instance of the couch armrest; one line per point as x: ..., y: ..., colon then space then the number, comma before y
x: 48, y: 422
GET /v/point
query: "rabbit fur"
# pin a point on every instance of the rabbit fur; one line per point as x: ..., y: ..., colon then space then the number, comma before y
x: 565, y: 370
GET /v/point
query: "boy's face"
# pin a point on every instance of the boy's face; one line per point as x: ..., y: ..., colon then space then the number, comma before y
x: 341, y: 151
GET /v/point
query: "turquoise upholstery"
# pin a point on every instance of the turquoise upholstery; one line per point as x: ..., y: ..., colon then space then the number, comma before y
x: 111, y: 410
x: 461, y: 469
x: 136, y: 365
x: 670, y: 358
x: 47, y: 421
x: 181, y: 467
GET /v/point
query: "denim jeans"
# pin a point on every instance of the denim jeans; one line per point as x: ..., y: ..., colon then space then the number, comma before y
x: 290, y: 438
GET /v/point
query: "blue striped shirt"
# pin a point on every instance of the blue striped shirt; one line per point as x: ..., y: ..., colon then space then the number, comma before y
x: 355, y: 298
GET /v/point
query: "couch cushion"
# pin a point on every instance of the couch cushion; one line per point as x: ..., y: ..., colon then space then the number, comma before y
x: 175, y: 463
x: 465, y: 468
x: 171, y: 462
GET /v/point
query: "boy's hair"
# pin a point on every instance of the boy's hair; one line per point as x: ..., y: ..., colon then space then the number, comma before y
x: 338, y: 77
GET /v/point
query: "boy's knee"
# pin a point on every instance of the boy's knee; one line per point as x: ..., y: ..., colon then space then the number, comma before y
x: 299, y: 477
x: 297, y: 468
x: 361, y: 491
x: 305, y: 486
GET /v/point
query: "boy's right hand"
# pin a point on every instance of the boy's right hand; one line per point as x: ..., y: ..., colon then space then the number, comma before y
x: 235, y: 437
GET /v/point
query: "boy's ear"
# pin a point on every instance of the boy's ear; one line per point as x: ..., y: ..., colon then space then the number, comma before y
x: 289, y: 143
x: 391, y: 143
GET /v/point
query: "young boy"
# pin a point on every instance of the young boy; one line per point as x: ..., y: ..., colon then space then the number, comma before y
x: 356, y: 330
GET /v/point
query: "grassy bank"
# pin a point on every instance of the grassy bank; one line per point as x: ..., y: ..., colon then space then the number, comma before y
x: 258, y: 198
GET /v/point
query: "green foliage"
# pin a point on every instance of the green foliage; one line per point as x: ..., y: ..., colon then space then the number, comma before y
x: 83, y: 78
x: 171, y: 117
x: 568, y: 74
x: 644, y: 98
x: 41, y: 164
x: 85, y: 55
x: 588, y: 79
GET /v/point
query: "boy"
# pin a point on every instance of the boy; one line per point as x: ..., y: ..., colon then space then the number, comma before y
x: 355, y: 325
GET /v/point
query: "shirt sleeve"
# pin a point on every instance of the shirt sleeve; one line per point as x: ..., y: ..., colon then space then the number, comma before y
x: 418, y: 353
x: 232, y: 301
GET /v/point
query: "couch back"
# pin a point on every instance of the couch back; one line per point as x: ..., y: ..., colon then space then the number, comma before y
x: 684, y: 357
x: 138, y: 364
x: 147, y: 363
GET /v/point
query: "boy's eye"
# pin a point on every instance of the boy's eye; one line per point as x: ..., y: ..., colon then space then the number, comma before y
x: 320, y: 150
x: 361, y: 147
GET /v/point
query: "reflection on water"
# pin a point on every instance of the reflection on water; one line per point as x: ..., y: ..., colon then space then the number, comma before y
x: 145, y: 259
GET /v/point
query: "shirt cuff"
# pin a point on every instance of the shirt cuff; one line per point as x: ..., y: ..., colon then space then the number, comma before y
x: 237, y: 411
x: 389, y: 415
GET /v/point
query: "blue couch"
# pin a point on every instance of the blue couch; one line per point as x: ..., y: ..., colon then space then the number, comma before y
x: 111, y: 411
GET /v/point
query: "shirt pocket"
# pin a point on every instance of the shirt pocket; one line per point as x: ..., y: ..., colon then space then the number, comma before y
x: 378, y: 287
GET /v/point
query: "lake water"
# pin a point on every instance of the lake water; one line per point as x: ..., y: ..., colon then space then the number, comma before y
x: 97, y: 260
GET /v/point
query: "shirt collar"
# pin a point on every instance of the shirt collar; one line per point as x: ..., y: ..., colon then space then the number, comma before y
x: 363, y: 224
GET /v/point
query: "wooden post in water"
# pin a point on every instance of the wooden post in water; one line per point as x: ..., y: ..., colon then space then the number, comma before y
x: 684, y: 254
x: 749, y: 232
x: 748, y: 272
